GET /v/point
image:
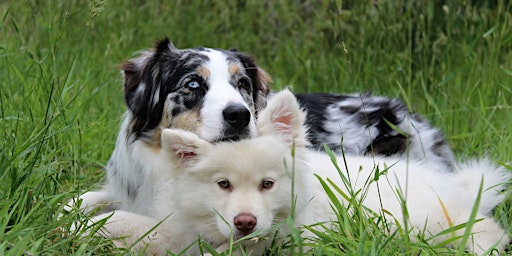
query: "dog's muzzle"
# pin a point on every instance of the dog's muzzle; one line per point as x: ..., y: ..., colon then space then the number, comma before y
x: 236, y: 119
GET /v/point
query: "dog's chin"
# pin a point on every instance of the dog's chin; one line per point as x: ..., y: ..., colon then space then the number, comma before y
x: 232, y: 138
x: 255, y: 235
x: 228, y: 139
x: 238, y: 235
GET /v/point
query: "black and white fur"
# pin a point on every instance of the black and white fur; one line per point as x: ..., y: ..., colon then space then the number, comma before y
x: 217, y: 94
x: 362, y: 121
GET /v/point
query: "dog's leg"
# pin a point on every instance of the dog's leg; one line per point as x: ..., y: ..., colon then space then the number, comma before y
x: 127, y: 229
x: 92, y: 202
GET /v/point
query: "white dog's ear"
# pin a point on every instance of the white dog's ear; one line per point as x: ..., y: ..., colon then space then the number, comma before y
x: 283, y: 117
x: 183, y: 146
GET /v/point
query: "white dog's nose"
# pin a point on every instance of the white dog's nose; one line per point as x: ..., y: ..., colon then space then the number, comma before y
x: 245, y: 223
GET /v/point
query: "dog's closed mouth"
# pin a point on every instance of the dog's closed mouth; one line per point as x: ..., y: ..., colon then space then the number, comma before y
x: 230, y: 138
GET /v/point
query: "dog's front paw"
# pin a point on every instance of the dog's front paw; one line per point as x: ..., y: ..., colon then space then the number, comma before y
x: 92, y: 203
x: 140, y: 233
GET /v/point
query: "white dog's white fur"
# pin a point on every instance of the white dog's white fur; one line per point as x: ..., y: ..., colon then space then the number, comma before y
x: 209, y: 186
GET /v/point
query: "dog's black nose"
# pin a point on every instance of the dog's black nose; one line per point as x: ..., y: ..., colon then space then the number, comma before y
x: 237, y: 116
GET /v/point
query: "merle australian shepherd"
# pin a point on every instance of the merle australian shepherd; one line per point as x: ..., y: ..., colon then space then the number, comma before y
x: 217, y: 94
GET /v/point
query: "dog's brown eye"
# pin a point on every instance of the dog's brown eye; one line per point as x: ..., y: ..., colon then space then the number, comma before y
x: 244, y: 84
x: 267, y: 184
x: 224, y: 184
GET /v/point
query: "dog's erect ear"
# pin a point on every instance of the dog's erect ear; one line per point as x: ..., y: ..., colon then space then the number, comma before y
x: 283, y: 117
x: 183, y: 146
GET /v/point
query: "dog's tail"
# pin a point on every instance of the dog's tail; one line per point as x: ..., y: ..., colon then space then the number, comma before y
x: 471, y: 174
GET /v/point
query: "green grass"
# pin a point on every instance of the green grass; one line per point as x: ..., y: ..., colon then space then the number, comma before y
x: 61, y: 91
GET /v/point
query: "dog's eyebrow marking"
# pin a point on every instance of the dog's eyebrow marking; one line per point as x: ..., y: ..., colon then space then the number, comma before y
x: 234, y: 68
x: 203, y: 71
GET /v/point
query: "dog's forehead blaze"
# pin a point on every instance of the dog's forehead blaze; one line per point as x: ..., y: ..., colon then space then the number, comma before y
x: 217, y: 63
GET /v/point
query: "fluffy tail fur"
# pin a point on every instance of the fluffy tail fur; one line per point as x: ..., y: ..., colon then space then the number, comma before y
x: 470, y: 175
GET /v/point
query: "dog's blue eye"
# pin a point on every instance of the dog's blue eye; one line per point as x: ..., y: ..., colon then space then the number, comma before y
x: 224, y: 184
x: 267, y: 184
x: 193, y: 84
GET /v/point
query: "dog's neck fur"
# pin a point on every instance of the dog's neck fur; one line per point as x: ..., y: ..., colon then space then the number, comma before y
x: 126, y: 164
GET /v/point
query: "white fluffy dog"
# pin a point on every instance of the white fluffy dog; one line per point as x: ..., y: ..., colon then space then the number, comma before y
x: 223, y: 192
